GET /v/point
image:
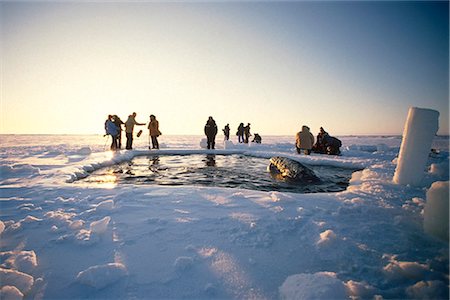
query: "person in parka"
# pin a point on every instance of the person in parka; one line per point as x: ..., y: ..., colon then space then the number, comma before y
x: 154, y: 132
x: 332, y: 145
x: 304, y: 140
x: 129, y: 127
x: 119, y: 124
x: 240, y: 133
x: 211, y: 132
x: 112, y: 130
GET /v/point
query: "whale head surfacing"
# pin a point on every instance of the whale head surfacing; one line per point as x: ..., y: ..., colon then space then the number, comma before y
x: 291, y: 170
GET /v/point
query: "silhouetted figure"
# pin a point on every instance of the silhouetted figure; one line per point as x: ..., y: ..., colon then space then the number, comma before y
x: 332, y: 145
x: 211, y: 132
x: 304, y: 140
x: 118, y: 123
x: 226, y: 132
x: 154, y: 132
x: 112, y: 130
x: 257, y: 138
x: 319, y: 146
x: 240, y: 133
x: 247, y: 133
x: 210, y: 160
x: 129, y: 127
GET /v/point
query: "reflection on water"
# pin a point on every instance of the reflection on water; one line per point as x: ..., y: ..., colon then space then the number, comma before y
x: 233, y: 171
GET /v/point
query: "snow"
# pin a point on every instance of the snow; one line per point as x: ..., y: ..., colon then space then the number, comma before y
x: 103, y: 275
x: 437, y: 209
x: 420, y: 128
x: 321, y: 285
x: 61, y: 238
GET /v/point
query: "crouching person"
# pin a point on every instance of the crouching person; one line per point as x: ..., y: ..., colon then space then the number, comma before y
x: 332, y: 145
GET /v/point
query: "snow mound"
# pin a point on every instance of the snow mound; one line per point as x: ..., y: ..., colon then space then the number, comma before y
x: 24, y: 261
x: 322, y: 285
x: 326, y: 238
x: 405, y: 269
x: 360, y: 290
x: 439, y: 169
x: 228, y: 144
x: 436, y: 210
x: 106, y: 205
x: 102, y: 275
x: 427, y: 290
x: 100, y: 226
x: 203, y: 144
x: 10, y: 293
x: 23, y: 282
x: 84, y: 151
x: 2, y: 227
x: 18, y: 171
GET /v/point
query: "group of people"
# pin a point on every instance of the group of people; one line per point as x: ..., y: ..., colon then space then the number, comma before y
x: 304, y: 141
x: 243, y: 133
x: 113, y: 127
x: 325, y: 144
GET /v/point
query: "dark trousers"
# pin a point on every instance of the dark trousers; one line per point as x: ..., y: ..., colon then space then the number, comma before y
x: 155, y: 144
x: 211, y: 141
x: 119, y: 140
x: 114, y: 142
x: 129, y: 140
x: 305, y: 151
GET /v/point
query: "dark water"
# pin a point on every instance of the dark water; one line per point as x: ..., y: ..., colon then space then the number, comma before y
x: 233, y: 171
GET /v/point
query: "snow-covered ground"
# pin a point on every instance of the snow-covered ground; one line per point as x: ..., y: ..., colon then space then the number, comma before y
x: 61, y: 240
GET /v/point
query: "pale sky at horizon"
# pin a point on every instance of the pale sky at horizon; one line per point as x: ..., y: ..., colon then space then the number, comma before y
x: 351, y: 67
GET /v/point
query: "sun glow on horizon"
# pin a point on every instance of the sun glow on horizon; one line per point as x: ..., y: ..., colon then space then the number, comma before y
x: 66, y: 66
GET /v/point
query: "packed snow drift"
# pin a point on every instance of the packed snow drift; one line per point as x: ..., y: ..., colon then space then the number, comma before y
x: 60, y: 239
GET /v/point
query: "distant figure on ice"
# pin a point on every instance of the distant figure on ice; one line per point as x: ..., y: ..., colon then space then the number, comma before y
x: 257, y: 139
x: 112, y: 130
x: 247, y: 133
x: 304, y: 140
x: 118, y: 123
x: 129, y: 127
x: 154, y: 132
x: 319, y: 146
x: 226, y: 132
x: 240, y: 133
x: 210, y: 132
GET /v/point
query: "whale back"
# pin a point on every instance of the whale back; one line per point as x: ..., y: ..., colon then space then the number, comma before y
x: 292, y: 170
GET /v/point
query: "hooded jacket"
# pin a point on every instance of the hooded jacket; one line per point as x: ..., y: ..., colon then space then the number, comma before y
x: 153, y: 127
x: 211, y: 128
x: 304, y: 139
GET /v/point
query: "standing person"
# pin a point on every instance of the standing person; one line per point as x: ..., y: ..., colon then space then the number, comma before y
x: 118, y: 123
x: 129, y: 127
x: 211, y: 131
x: 240, y: 133
x: 304, y: 140
x: 112, y: 130
x: 226, y: 132
x: 154, y: 132
x: 247, y: 133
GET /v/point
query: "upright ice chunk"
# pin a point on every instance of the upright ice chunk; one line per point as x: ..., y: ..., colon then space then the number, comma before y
x: 100, y: 226
x: 435, y: 220
x: 420, y: 128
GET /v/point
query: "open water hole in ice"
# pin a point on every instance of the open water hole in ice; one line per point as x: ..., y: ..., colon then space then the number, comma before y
x: 232, y: 171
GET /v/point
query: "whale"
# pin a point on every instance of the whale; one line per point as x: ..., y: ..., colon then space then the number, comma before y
x: 285, y: 169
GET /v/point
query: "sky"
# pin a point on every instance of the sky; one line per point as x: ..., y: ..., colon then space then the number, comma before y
x: 351, y: 67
